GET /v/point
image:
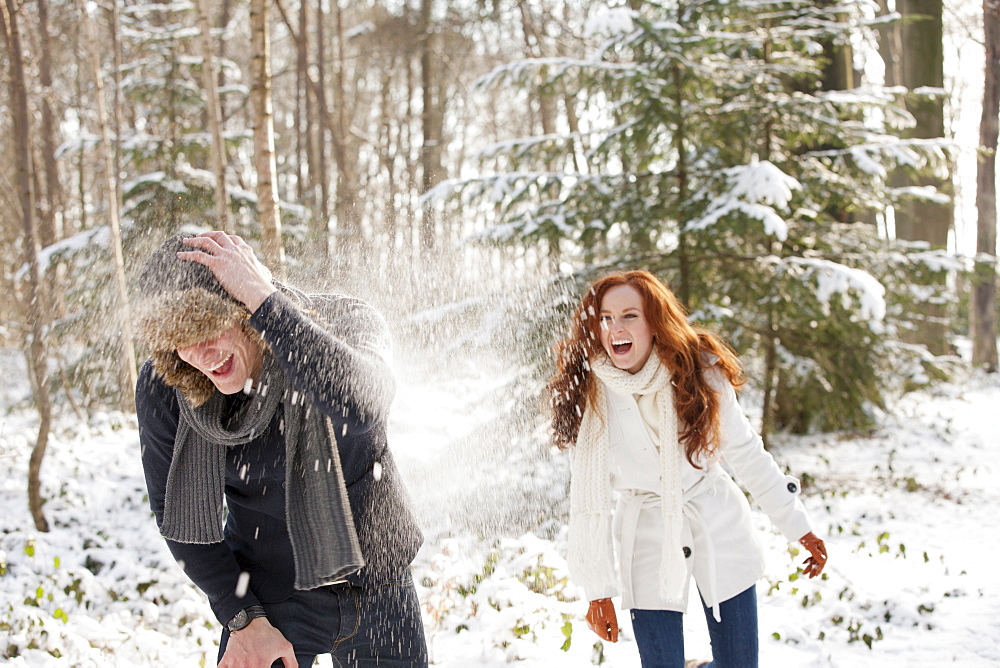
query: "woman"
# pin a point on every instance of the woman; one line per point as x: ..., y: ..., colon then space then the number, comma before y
x: 649, y: 402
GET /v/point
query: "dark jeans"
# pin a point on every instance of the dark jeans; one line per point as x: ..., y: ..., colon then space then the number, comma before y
x: 660, y: 634
x: 378, y: 625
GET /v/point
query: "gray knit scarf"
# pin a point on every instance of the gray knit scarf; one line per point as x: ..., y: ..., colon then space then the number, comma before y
x: 320, y: 524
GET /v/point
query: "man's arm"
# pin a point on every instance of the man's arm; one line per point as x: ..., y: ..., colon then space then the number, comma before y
x: 336, y: 353
x: 212, y: 567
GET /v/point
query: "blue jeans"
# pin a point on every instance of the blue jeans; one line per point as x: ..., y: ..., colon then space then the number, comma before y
x: 660, y: 634
x: 377, y: 625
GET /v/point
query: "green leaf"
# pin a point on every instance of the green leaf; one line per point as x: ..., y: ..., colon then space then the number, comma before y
x: 567, y: 630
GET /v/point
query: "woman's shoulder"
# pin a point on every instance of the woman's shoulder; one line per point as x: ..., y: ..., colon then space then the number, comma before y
x: 712, y: 371
x: 708, y: 359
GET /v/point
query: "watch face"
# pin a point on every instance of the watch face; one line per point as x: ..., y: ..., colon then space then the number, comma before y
x: 239, y: 620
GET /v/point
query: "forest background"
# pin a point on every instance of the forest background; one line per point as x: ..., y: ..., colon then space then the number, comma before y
x: 801, y: 173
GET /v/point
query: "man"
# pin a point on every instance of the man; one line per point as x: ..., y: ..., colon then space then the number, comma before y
x: 277, y: 401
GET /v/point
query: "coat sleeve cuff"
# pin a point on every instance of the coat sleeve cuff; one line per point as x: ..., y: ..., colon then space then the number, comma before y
x: 230, y: 604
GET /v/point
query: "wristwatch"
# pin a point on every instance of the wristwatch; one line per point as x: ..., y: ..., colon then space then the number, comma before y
x: 243, y: 618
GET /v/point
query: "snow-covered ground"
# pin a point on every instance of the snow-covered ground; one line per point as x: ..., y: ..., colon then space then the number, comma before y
x: 909, y: 511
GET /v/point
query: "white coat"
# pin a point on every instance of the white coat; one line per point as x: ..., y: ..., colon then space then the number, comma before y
x: 723, y: 553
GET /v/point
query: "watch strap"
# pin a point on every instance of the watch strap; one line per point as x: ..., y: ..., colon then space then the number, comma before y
x: 243, y: 618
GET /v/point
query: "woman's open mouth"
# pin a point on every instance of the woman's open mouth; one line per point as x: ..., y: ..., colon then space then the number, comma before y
x: 621, y: 346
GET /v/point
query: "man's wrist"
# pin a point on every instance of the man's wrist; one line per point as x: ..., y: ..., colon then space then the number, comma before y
x: 254, y: 301
x: 243, y: 618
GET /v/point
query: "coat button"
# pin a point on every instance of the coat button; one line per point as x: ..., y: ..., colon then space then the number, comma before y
x: 792, y: 487
x: 687, y: 552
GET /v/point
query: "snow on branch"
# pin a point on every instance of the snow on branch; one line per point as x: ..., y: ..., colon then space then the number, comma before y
x: 755, y: 190
x: 928, y: 193
x: 802, y: 366
x: 837, y: 279
x: 525, y: 144
x: 146, y: 8
x: 499, y: 186
x: 98, y: 237
x: 609, y: 21
x: 916, y: 152
x: 512, y: 72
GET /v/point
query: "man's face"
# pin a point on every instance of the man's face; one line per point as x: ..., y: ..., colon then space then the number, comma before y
x: 231, y: 360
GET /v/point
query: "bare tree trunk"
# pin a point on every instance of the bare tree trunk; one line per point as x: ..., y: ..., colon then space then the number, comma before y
x: 569, y: 102
x: 535, y: 48
x: 838, y: 72
x: 301, y: 104
x: 111, y: 188
x: 890, y: 47
x: 387, y: 152
x: 411, y: 227
x: 772, y: 372
x: 225, y: 12
x: 116, y: 105
x: 349, y: 231
x: 922, y: 64
x: 430, y: 117
x: 51, y: 227
x: 36, y: 307
x: 547, y: 110
x: 80, y: 178
x: 984, y: 294
x: 325, y: 126
x: 214, y: 113
x: 51, y: 198
x: 263, y: 138
x: 306, y: 128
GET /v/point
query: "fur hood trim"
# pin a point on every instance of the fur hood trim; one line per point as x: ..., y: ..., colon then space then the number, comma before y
x: 170, y: 320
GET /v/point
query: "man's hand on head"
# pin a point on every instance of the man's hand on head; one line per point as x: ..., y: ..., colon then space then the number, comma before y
x: 258, y: 646
x: 234, y: 265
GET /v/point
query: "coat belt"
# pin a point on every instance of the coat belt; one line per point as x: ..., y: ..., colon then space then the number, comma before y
x: 633, y: 501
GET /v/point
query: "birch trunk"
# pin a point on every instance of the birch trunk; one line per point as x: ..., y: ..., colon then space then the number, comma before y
x: 263, y: 138
x: 110, y: 179
x: 36, y: 308
x: 214, y: 113
x: 349, y: 231
x: 51, y: 227
x: 51, y: 197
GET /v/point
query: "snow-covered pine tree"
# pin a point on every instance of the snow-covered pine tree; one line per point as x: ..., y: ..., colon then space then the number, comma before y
x: 165, y: 145
x: 709, y: 154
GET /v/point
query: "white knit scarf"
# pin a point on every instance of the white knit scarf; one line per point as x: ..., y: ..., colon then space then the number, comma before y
x: 591, y: 558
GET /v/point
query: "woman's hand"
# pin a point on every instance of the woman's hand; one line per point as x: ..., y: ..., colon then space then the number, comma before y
x: 602, y: 620
x: 234, y: 265
x: 814, y: 564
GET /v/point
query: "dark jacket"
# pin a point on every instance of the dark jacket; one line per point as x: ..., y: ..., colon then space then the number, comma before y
x: 333, y: 349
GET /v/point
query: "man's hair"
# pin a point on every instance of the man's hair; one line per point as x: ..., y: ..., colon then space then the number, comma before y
x: 179, y: 303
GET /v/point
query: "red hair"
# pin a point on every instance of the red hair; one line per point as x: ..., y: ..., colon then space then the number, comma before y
x: 677, y: 343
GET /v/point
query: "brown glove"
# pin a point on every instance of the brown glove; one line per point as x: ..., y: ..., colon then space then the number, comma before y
x: 602, y: 620
x: 814, y: 564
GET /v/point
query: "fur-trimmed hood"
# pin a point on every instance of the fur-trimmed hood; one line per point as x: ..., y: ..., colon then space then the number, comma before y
x: 180, y: 303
